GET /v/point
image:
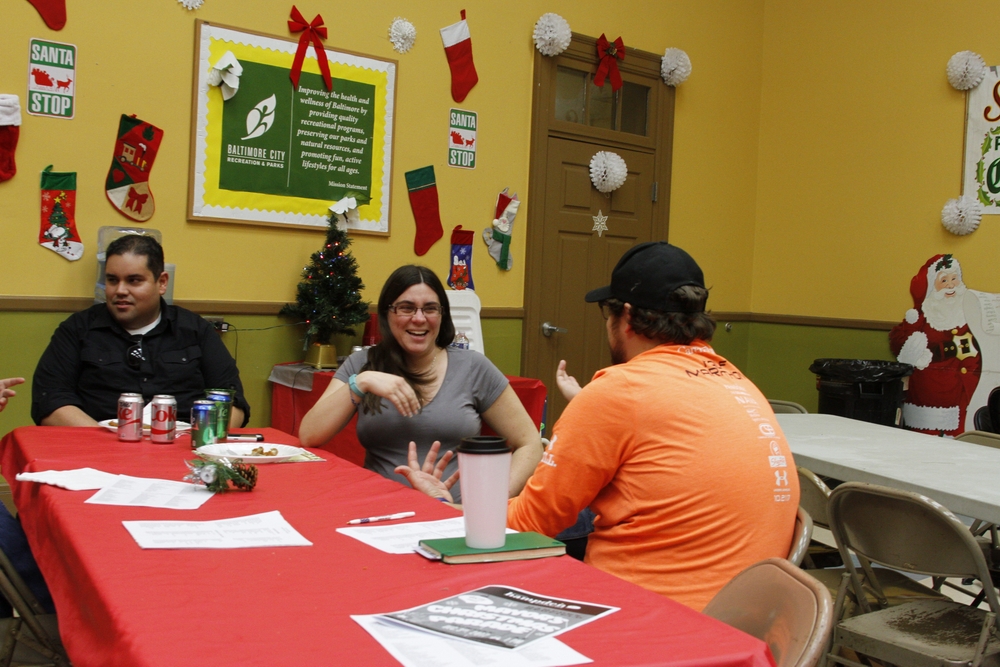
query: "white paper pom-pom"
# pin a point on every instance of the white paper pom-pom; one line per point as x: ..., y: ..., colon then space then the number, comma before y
x: 191, y: 4
x: 402, y: 34
x: 961, y: 216
x: 552, y: 34
x: 607, y: 171
x: 675, y: 67
x: 965, y: 70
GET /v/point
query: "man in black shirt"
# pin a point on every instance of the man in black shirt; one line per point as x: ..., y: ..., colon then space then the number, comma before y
x: 133, y: 343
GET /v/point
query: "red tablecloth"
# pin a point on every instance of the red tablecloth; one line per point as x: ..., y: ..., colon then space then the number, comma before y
x: 289, y: 406
x: 120, y: 605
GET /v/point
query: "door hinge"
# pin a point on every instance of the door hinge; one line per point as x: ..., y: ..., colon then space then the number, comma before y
x: 655, y: 184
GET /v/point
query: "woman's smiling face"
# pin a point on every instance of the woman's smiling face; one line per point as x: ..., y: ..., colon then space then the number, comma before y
x: 416, y: 333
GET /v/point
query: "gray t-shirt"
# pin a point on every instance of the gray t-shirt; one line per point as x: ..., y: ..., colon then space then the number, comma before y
x: 471, y: 385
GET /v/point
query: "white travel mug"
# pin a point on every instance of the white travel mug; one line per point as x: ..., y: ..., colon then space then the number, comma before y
x: 484, y: 463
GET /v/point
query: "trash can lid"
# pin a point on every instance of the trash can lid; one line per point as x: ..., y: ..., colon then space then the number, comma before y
x: 860, y: 370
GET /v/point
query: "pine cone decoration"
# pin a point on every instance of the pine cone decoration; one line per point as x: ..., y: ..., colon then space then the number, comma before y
x: 245, y: 477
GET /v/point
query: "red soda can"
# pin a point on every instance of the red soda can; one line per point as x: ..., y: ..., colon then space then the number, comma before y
x: 130, y: 417
x: 164, y: 419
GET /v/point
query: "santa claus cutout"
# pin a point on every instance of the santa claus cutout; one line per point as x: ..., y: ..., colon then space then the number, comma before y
x: 935, y: 337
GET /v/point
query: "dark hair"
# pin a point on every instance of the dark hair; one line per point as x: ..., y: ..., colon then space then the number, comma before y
x: 137, y: 244
x: 388, y: 356
x: 672, y: 328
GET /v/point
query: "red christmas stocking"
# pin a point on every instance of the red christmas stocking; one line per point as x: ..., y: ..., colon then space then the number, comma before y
x: 10, y: 130
x: 53, y: 12
x: 58, y: 228
x: 127, y: 185
x: 424, y: 201
x: 458, y: 48
x: 460, y: 275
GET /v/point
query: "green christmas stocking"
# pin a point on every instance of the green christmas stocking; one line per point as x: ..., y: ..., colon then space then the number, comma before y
x: 58, y: 228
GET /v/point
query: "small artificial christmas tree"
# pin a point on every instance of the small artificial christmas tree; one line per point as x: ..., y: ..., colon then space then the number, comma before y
x: 329, y: 296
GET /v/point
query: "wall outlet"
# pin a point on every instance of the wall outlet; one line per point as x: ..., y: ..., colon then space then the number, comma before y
x: 219, y: 323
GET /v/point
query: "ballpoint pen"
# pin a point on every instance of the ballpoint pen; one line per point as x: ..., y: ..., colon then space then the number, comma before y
x: 387, y: 517
x: 245, y: 437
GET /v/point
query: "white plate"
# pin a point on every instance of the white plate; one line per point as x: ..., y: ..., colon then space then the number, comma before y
x: 236, y: 451
x: 112, y: 425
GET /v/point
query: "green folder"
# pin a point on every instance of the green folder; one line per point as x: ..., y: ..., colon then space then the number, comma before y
x: 518, y: 546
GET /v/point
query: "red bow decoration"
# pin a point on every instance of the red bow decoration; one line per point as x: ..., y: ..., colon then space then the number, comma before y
x: 310, y: 32
x: 609, y: 54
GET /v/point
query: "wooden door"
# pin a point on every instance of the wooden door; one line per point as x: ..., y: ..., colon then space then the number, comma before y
x: 566, y: 256
x: 577, y: 258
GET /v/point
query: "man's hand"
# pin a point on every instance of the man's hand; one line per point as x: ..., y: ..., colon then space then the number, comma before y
x: 568, y: 386
x: 5, y: 392
x: 427, y: 478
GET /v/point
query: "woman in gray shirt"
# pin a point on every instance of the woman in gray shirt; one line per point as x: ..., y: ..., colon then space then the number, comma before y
x: 412, y: 387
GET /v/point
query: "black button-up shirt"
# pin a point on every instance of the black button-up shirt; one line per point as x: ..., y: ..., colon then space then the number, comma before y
x: 85, y: 365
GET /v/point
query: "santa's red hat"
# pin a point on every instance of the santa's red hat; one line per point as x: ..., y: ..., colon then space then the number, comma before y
x: 923, y: 283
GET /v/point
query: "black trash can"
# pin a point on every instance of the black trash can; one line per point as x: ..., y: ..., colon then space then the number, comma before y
x: 868, y: 390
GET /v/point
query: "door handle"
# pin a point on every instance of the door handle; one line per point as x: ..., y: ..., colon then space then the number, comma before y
x: 549, y: 329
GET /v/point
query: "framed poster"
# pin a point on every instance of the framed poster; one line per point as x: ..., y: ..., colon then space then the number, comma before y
x: 981, y: 168
x: 274, y: 155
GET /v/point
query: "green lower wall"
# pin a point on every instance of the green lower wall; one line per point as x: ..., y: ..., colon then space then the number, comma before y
x: 257, y: 341
x: 775, y: 356
x: 779, y: 356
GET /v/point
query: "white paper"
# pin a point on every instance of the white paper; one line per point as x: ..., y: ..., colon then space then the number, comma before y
x: 403, y: 538
x: 413, y: 648
x: 268, y: 529
x: 146, y: 492
x: 81, y: 479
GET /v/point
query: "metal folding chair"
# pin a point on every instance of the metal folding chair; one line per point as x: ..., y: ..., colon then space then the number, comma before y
x: 787, y: 408
x: 779, y: 604
x: 800, y: 538
x: 912, y: 533
x: 31, y: 636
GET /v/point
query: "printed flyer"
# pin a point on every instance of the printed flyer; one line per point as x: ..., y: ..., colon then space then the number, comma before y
x: 499, y: 616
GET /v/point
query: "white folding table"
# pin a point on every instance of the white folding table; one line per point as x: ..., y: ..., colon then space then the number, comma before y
x: 962, y: 476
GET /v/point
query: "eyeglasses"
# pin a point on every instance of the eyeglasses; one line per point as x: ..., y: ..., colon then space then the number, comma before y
x: 134, y: 356
x: 408, y: 309
x: 605, y: 309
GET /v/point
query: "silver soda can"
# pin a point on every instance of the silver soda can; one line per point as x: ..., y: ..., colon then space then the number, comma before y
x: 164, y: 423
x: 203, y: 421
x: 130, y: 417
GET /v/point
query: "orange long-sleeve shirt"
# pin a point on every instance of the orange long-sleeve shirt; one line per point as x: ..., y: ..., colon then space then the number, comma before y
x: 682, y: 460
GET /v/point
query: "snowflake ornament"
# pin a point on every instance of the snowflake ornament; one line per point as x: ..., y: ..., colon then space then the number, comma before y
x: 965, y: 70
x: 961, y: 216
x: 552, y: 34
x: 675, y: 67
x: 191, y: 4
x: 607, y: 171
x: 402, y: 34
x: 600, y: 223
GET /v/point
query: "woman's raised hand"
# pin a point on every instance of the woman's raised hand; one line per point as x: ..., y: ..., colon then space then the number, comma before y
x: 392, y: 388
x: 426, y: 478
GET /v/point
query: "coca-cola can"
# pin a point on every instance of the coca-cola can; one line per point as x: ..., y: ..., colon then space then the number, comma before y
x: 130, y: 417
x: 164, y: 419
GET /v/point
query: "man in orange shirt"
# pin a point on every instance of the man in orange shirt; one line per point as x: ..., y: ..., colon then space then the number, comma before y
x: 675, y: 450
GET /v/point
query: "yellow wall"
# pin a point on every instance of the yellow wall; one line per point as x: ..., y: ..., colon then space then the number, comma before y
x: 136, y: 58
x: 860, y: 148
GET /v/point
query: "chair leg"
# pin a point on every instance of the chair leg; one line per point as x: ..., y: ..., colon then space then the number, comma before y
x: 9, y: 642
x: 984, y: 636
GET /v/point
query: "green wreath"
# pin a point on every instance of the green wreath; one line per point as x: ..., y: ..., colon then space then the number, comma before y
x: 983, y: 193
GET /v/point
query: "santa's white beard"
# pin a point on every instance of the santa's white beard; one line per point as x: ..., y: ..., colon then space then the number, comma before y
x: 945, y: 313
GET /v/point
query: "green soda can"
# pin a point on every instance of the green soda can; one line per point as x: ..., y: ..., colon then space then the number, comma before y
x: 224, y: 400
x: 203, y: 423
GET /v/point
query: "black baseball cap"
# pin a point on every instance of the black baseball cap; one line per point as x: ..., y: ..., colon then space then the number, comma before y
x: 647, y: 275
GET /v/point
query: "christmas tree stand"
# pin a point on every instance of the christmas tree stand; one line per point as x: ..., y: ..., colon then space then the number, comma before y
x: 321, y: 356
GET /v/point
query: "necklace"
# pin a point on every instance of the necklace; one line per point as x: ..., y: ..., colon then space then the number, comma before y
x: 431, y: 364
